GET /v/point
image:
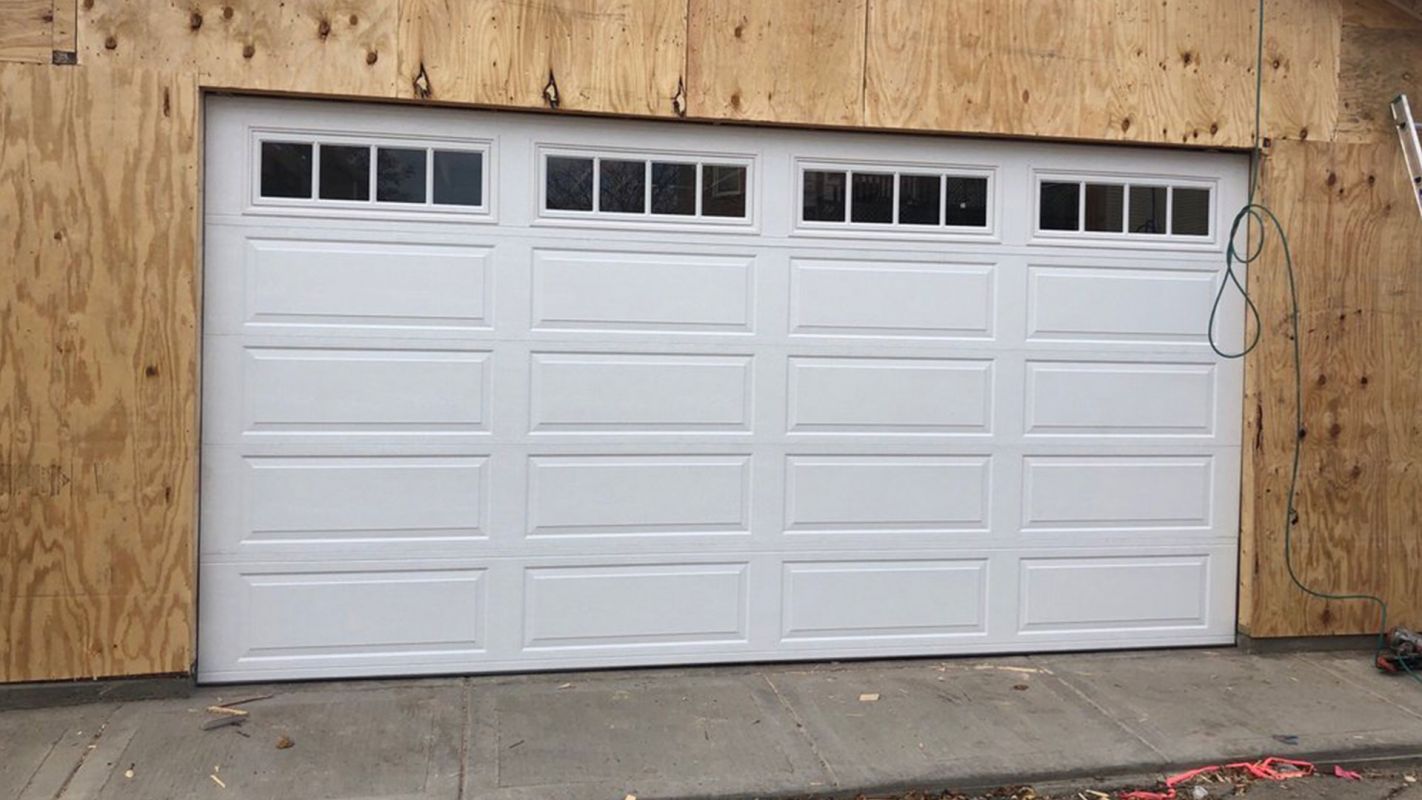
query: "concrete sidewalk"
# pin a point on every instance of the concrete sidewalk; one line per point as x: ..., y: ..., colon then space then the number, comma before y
x: 784, y: 730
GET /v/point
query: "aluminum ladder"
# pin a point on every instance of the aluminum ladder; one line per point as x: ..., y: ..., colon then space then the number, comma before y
x: 1411, y: 147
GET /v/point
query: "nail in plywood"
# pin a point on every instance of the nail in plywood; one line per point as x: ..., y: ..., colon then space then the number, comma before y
x: 616, y: 56
x: 26, y: 29
x: 792, y: 61
x: 102, y: 378
x: 342, y: 47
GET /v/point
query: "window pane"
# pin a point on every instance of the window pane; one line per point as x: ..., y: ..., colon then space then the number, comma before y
x: 1190, y: 215
x: 823, y: 196
x: 286, y: 169
x: 723, y: 191
x: 873, y: 197
x: 1104, y: 204
x: 967, y: 202
x: 345, y: 172
x: 1060, y: 206
x: 458, y: 178
x: 673, y: 188
x: 622, y: 186
x: 920, y: 198
x: 569, y: 184
x: 400, y: 175
x: 1147, y: 210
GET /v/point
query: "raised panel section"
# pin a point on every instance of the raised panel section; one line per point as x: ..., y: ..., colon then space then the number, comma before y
x: 316, y: 390
x: 641, y: 292
x: 886, y: 493
x: 638, y: 605
x: 1114, y: 593
x: 365, y: 284
x: 638, y: 495
x: 889, y: 395
x: 363, y: 613
x: 1120, y: 399
x: 868, y: 298
x: 1081, y: 492
x: 1066, y: 303
x: 627, y: 392
x: 294, y: 500
x: 848, y: 600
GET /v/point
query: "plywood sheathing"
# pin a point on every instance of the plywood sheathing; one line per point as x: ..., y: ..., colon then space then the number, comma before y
x: 613, y: 56
x: 338, y: 47
x: 100, y: 374
x: 1357, y: 239
x: 798, y: 61
x: 28, y: 29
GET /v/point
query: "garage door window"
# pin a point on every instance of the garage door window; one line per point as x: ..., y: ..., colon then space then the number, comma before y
x: 619, y: 187
x: 910, y: 200
x: 1131, y: 209
x: 375, y: 175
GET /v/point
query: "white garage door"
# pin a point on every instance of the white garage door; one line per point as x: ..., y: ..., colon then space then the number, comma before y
x: 493, y: 391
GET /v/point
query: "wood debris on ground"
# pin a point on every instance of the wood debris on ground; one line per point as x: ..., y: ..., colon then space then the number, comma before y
x: 228, y: 713
x: 869, y: 697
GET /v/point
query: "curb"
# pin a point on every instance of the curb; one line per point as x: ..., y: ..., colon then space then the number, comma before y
x: 1108, y: 779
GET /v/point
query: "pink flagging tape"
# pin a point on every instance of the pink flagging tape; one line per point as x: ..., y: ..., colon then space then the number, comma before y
x: 1272, y: 768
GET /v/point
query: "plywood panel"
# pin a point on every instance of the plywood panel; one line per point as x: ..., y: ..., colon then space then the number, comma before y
x: 793, y: 61
x: 1357, y: 238
x: 25, y: 30
x: 1375, y: 65
x: 1179, y: 71
x: 1171, y: 72
x: 101, y: 166
x: 342, y: 47
x: 64, y: 34
x: 618, y: 56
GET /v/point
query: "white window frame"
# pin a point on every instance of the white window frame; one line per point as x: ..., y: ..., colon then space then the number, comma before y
x: 316, y: 206
x: 597, y: 218
x: 1168, y: 239
x: 944, y: 170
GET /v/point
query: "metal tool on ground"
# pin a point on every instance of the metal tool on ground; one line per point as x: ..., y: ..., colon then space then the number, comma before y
x: 1403, y: 651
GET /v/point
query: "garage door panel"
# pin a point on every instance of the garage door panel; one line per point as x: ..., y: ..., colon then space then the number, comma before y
x: 640, y: 392
x: 342, y: 618
x: 597, y: 497
x: 292, y: 505
x: 635, y: 606
x: 1129, y: 305
x: 389, y: 497
x: 881, y: 493
x: 534, y: 434
x: 362, y: 284
x: 1135, y: 399
x: 1159, y: 491
x: 853, y: 601
x: 305, y: 390
x: 624, y: 291
x: 870, y: 297
x: 889, y: 395
x: 1063, y: 593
